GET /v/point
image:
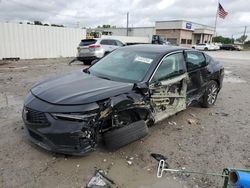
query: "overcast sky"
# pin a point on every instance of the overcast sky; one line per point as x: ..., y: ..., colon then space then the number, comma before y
x: 91, y: 13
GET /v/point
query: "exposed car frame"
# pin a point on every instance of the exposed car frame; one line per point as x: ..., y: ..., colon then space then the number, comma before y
x: 118, y: 112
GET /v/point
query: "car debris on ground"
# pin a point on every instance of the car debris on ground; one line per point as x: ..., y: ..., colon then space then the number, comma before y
x: 100, y: 180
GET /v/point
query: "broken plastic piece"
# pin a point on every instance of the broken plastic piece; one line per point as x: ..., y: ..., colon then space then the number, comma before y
x: 99, y: 180
x: 160, y: 157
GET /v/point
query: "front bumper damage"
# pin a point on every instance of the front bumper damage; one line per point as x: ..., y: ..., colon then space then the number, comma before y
x: 62, y: 137
x: 56, y: 135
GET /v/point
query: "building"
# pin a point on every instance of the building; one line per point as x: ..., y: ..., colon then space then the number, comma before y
x: 122, y: 31
x: 27, y: 41
x: 180, y: 32
x: 184, y: 33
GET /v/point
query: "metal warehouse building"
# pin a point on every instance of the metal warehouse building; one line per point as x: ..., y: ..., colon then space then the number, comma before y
x: 34, y: 41
x: 181, y: 32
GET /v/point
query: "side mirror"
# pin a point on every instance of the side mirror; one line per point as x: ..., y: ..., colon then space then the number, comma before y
x: 143, y: 87
x: 158, y: 84
x: 94, y: 61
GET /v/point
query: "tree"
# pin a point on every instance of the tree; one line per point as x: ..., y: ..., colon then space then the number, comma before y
x: 223, y: 40
x: 106, y: 26
x: 38, y: 23
x: 242, y: 38
x: 55, y: 25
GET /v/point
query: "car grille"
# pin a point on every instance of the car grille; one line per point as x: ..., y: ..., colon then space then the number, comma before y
x: 36, y: 117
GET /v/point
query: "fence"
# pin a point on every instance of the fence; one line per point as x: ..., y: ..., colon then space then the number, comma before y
x: 35, y: 41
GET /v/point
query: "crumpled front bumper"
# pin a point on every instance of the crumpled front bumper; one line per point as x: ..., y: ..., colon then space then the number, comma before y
x: 60, y: 136
x: 56, y: 135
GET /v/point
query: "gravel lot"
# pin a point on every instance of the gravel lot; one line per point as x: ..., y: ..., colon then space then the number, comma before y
x: 219, y: 138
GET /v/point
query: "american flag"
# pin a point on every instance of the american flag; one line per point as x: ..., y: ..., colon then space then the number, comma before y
x: 221, y: 12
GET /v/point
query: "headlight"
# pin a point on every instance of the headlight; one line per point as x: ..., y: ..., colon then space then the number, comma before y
x: 73, y: 116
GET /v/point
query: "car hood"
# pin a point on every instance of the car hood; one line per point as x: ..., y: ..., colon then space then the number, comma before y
x: 78, y: 88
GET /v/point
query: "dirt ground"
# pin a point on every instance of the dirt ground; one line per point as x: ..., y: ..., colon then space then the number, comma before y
x: 218, y: 137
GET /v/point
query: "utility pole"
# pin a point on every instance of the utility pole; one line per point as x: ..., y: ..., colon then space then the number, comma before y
x: 245, y: 30
x: 127, y: 21
x: 244, y: 34
x: 216, y: 18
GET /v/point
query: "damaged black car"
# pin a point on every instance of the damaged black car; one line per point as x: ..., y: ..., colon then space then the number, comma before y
x: 117, y: 98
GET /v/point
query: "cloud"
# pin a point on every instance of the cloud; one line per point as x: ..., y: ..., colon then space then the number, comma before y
x: 142, y: 12
x: 164, y: 4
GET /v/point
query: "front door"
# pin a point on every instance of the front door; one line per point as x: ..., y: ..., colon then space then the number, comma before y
x: 168, y: 87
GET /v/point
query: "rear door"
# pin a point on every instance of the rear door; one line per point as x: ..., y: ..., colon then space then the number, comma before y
x: 197, y: 74
x: 168, y: 86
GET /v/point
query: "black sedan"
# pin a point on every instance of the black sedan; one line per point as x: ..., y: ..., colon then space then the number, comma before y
x: 230, y: 47
x: 117, y: 98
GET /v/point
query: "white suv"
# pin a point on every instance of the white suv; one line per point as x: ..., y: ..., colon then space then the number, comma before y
x: 91, y: 49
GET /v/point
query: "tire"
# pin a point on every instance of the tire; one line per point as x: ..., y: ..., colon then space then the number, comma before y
x: 206, y: 49
x: 210, y: 96
x: 87, y: 62
x: 125, y: 135
x: 193, y: 47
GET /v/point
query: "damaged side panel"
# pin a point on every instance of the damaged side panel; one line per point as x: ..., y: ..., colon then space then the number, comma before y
x: 168, y: 97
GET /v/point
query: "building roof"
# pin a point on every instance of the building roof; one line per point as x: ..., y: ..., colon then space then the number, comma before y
x: 184, y: 21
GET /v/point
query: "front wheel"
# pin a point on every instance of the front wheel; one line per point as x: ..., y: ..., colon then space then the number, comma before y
x: 210, y: 96
x: 129, y: 129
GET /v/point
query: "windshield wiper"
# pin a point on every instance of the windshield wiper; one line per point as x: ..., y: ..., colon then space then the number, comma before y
x: 103, y: 77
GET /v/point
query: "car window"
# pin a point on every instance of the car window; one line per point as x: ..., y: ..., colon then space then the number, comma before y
x: 108, y: 42
x: 112, y: 42
x: 119, y: 43
x: 195, y: 60
x: 171, y: 66
x: 104, y: 42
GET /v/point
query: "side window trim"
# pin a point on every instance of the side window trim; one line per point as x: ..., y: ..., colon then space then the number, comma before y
x: 161, y: 61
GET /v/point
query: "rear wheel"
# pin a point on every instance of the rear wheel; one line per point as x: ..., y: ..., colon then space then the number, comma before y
x: 87, y: 62
x: 210, y: 96
x: 206, y: 49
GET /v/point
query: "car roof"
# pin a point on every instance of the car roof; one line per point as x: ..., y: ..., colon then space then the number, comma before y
x: 154, y: 48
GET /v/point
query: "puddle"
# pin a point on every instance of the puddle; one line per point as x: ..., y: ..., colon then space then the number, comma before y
x: 13, y: 68
x: 227, y: 72
x: 9, y: 100
x: 233, y: 80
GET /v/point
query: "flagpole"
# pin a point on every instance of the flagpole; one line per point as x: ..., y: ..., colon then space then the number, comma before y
x: 216, y: 18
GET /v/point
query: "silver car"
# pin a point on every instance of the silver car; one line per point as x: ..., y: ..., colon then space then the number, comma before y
x: 91, y: 49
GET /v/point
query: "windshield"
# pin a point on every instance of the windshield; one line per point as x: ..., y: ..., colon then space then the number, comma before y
x: 124, y: 65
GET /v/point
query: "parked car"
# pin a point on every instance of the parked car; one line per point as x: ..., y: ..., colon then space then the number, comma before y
x: 118, y: 97
x: 231, y: 47
x: 216, y: 46
x: 204, y: 46
x: 91, y: 49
